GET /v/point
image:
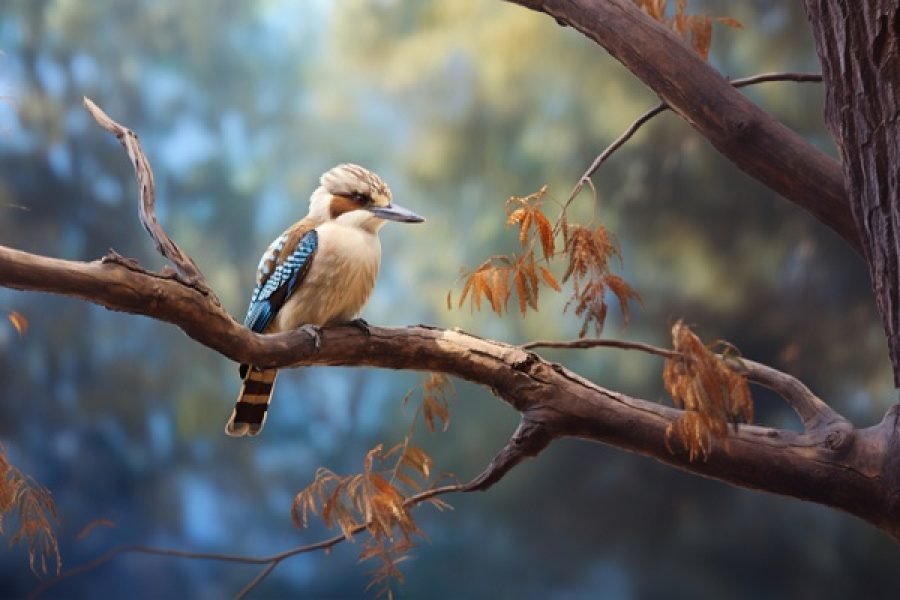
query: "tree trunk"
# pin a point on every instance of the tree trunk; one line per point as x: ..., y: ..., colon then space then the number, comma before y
x: 859, y: 46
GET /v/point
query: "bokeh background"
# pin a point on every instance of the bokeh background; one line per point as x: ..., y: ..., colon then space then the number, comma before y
x: 458, y: 105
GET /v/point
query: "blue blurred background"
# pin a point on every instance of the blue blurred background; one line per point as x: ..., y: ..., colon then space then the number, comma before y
x: 458, y: 105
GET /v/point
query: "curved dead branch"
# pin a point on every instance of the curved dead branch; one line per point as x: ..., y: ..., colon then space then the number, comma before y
x: 184, y: 264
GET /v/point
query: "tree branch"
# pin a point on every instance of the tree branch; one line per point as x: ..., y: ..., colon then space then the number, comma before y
x: 528, y: 440
x: 663, y: 106
x: 748, y: 136
x: 183, y: 263
x: 813, y: 412
x: 829, y: 465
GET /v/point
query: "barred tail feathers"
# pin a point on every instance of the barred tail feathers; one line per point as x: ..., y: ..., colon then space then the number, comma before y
x: 249, y: 413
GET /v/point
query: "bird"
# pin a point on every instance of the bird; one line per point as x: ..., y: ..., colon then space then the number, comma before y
x: 319, y: 272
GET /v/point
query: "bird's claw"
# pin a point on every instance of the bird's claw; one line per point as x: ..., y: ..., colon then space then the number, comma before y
x: 315, y: 332
x: 360, y: 324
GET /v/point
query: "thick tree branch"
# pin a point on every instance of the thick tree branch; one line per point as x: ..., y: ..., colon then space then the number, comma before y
x: 739, y: 129
x: 831, y: 464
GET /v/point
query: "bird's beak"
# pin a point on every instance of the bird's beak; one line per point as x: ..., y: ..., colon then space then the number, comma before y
x: 396, y: 213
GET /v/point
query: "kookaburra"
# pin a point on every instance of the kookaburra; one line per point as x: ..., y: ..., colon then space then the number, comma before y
x: 319, y: 272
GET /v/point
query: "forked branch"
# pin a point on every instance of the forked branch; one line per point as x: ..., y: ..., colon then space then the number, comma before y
x: 814, y: 413
x: 184, y: 264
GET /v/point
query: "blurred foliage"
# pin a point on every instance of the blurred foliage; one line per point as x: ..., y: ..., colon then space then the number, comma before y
x: 458, y: 105
x: 34, y: 509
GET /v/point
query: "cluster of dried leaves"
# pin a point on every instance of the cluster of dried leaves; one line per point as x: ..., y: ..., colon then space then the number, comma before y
x: 695, y: 30
x: 491, y: 280
x: 437, y: 391
x: 377, y: 499
x: 34, y: 507
x: 586, y: 250
x: 589, y: 251
x: 711, y: 393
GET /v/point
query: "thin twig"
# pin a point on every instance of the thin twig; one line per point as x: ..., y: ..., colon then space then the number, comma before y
x: 256, y: 580
x: 814, y: 413
x: 602, y: 343
x: 662, y: 107
x: 528, y: 439
x: 618, y: 143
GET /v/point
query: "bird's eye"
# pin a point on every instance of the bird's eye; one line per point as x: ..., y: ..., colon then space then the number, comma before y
x: 359, y: 198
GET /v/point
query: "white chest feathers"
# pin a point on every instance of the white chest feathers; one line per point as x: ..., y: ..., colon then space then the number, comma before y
x: 339, y: 281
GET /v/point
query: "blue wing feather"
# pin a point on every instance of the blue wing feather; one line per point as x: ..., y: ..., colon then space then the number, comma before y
x: 272, y: 292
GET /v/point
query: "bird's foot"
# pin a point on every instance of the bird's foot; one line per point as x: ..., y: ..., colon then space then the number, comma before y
x: 315, y: 332
x: 360, y: 324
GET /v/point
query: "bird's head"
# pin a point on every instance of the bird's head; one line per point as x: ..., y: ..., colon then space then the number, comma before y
x: 355, y: 196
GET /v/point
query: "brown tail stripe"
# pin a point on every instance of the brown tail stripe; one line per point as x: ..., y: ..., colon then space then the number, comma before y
x: 245, y: 412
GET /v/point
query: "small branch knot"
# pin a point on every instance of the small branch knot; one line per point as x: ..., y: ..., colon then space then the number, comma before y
x: 839, y: 439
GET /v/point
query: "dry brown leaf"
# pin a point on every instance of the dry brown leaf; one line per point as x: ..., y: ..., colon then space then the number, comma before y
x: 729, y: 22
x: 524, y: 226
x: 701, y: 35
x: 417, y: 459
x: 500, y: 284
x: 516, y: 216
x: 521, y: 291
x: 466, y: 287
x: 545, y: 234
x: 623, y: 293
x: 19, y: 322
x: 549, y: 279
x: 436, y: 394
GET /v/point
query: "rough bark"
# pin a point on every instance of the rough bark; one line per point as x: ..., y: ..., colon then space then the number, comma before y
x: 859, y: 46
x: 743, y: 132
x: 830, y: 463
